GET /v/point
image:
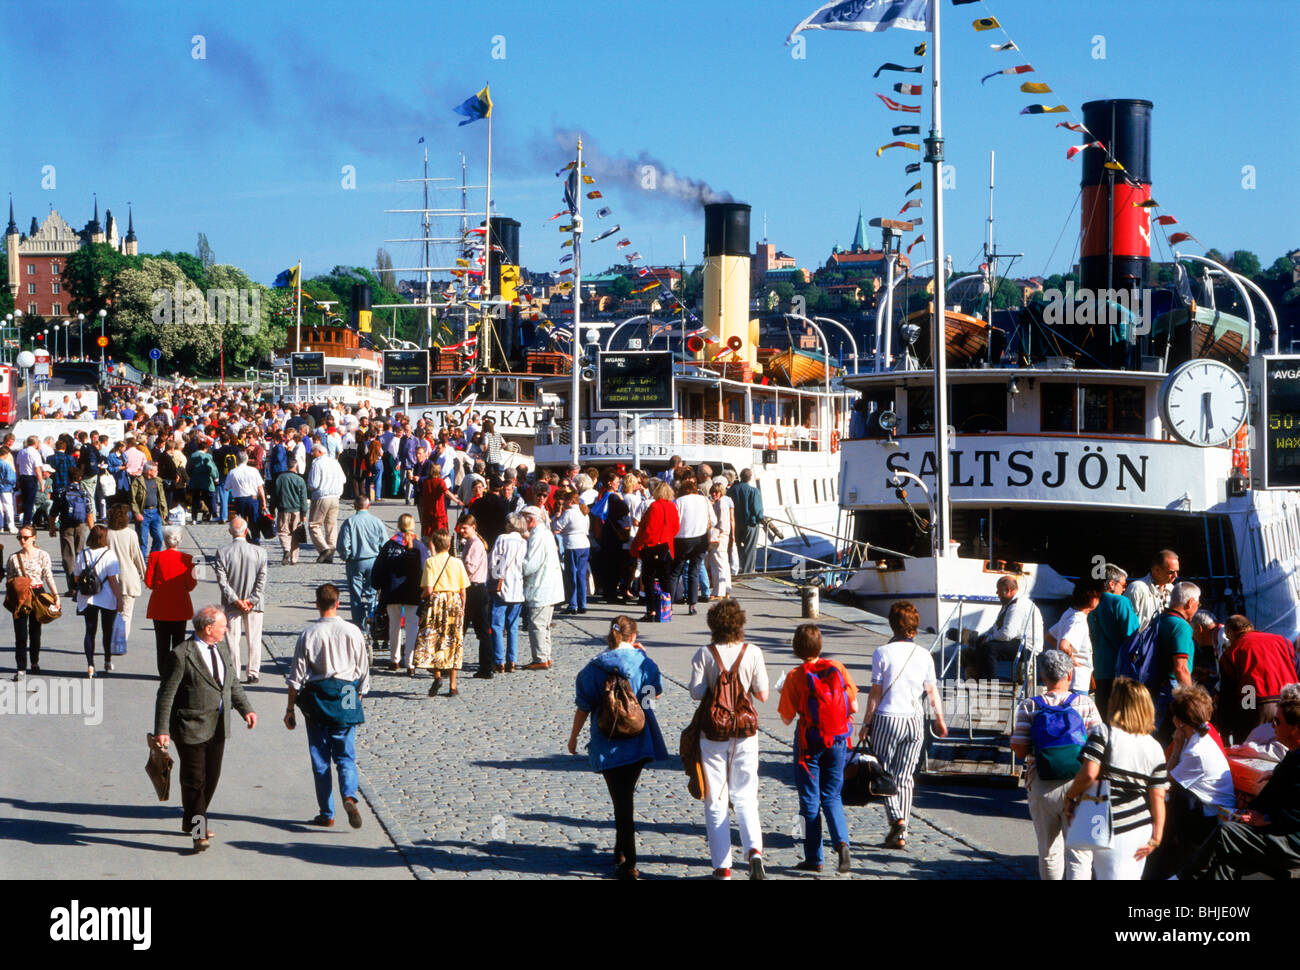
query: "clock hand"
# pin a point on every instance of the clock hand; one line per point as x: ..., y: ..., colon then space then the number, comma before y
x: 1206, y: 419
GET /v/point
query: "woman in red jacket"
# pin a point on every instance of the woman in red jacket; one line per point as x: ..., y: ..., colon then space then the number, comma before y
x: 654, y: 544
x: 170, y: 575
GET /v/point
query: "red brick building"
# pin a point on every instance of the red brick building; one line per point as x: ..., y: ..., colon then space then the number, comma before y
x: 36, y: 260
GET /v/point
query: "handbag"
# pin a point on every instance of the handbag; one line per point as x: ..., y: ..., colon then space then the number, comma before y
x: 117, y: 646
x: 42, y: 603
x: 866, y: 779
x: 1092, y: 826
x: 159, y: 768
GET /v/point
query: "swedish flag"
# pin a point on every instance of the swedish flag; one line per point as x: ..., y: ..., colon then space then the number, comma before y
x: 475, y: 108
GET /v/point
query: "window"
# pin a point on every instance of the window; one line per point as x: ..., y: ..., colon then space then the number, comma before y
x: 31, y: 289
x: 31, y: 269
x: 527, y: 391
x: 54, y: 267
x: 976, y: 408
x: 920, y: 410
x: 1058, y: 402
x: 505, y: 389
x: 57, y: 310
x: 1114, y: 409
x: 31, y: 309
x: 54, y: 288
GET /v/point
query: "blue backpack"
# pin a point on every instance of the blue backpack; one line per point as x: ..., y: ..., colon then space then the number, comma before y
x: 1138, y: 658
x: 1058, y: 736
x: 75, y: 504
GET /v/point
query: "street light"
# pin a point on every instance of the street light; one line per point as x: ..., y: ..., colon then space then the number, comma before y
x: 81, y: 336
x: 102, y: 314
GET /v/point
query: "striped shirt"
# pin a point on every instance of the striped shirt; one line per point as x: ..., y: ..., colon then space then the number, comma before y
x: 1134, y: 765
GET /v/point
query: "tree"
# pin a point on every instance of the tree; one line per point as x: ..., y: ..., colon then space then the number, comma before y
x: 1008, y: 294
x: 1245, y: 262
x: 204, y: 253
x: 1282, y: 269
x: 250, y: 329
x: 147, y: 316
x: 190, y: 265
x: 90, y: 277
x: 621, y: 288
x: 384, y: 269
x: 815, y: 298
x: 784, y: 291
x: 692, y: 285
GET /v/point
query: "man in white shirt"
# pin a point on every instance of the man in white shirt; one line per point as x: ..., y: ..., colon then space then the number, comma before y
x: 247, y: 496
x: 330, y: 670
x: 1018, y: 624
x: 1150, y: 594
x: 30, y: 466
x: 325, y: 484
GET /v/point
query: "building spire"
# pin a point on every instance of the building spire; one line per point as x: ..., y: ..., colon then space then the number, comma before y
x: 859, y: 235
x: 130, y: 224
x: 13, y: 226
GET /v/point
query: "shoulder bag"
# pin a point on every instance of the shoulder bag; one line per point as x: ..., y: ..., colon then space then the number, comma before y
x: 44, y: 606
x: 1092, y: 827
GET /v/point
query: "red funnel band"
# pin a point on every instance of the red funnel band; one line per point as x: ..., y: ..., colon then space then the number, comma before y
x: 1132, y: 234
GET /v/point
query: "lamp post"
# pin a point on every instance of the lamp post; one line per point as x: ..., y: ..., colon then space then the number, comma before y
x: 81, y: 336
x: 102, y: 315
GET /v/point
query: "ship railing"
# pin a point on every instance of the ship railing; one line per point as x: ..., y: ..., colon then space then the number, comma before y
x: 669, y: 432
x: 849, y: 555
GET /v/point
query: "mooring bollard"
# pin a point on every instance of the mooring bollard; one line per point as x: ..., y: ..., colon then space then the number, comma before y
x: 809, y: 596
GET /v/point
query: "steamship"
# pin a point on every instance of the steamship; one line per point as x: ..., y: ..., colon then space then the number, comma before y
x: 1074, y: 444
x: 779, y: 411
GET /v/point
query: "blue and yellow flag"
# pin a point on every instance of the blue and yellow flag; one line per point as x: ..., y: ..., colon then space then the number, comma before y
x: 475, y: 108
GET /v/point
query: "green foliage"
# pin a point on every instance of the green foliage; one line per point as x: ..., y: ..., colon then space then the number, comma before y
x: 692, y: 286
x: 1008, y: 294
x: 384, y: 269
x: 1058, y: 281
x: 89, y: 277
x: 189, y: 264
x: 816, y: 298
x: 621, y: 288
x: 1245, y: 262
x: 1281, y: 269
x: 785, y: 291
x: 204, y: 253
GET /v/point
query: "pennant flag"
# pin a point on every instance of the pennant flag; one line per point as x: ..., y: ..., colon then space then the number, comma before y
x: 632, y: 257
x: 623, y: 242
x: 604, y: 212
x: 985, y: 23
x: 1018, y: 69
x: 475, y: 108
x: 594, y: 194
x: 1148, y: 204
x: 556, y: 216
x: 1076, y: 149
x: 587, y: 179
x: 565, y: 272
x: 566, y: 168
x: 566, y: 228
x: 919, y: 49
x: 1182, y: 237
x: 607, y: 233
x: 915, y: 221
x: 869, y: 15
x: 912, y: 169
x: 893, y: 105
x: 1166, y: 221
x: 571, y: 191
x: 920, y: 238
x: 1042, y: 109
x: 912, y: 89
x: 891, y: 66
x: 898, y: 144
x: 290, y: 277
x: 567, y: 242
x: 481, y: 231
x: 1008, y: 46
x: 1113, y: 165
x: 652, y: 286
x: 907, y: 129
x: 914, y: 188
x: 1073, y: 126
x: 643, y: 271
x: 566, y: 258
x: 1035, y: 87
x: 910, y: 204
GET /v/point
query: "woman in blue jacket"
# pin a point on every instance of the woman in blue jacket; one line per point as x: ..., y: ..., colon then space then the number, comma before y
x: 620, y: 760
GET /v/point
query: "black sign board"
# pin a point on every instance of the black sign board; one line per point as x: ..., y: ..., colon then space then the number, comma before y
x: 307, y: 366
x: 406, y: 368
x: 1281, y: 422
x: 635, y: 381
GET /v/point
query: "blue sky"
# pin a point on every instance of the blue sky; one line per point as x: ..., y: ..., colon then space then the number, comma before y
x: 248, y: 144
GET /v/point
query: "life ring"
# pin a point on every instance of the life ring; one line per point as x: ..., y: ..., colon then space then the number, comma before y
x: 771, y: 439
x: 835, y: 442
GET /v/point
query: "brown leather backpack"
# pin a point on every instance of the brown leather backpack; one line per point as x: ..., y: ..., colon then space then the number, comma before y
x: 727, y: 710
x: 620, y: 714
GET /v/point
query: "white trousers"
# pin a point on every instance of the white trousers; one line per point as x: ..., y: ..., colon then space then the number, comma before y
x: 1047, y: 809
x: 719, y: 565
x: 403, y: 656
x: 1117, y: 862
x: 238, y: 625
x: 127, y: 612
x: 7, y: 518
x: 731, y: 768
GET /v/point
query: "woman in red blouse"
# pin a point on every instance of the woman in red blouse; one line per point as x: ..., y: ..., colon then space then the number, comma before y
x: 434, y: 496
x: 654, y: 544
x: 170, y: 574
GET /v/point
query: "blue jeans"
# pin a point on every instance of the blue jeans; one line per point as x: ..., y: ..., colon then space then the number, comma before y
x: 151, y: 530
x: 362, y: 598
x: 250, y: 510
x: 223, y: 503
x: 820, y: 778
x: 505, y: 630
x: 576, y: 566
x: 706, y: 590
x: 325, y: 745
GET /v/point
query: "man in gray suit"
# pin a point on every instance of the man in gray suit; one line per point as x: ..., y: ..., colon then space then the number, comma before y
x: 193, y: 707
x: 241, y: 575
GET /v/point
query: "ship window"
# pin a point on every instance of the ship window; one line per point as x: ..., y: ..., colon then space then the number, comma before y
x: 920, y: 410
x: 979, y: 407
x: 527, y: 391
x: 438, y: 392
x: 505, y: 389
x: 1114, y: 409
x: 1058, y: 407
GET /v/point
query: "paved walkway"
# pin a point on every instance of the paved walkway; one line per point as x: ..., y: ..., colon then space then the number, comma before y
x: 476, y: 785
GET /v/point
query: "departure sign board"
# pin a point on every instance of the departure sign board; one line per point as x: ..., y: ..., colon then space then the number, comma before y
x: 307, y: 366
x: 406, y: 368
x: 1280, y: 422
x: 635, y: 381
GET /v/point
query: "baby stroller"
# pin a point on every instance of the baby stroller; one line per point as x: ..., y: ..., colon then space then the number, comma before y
x: 376, y: 628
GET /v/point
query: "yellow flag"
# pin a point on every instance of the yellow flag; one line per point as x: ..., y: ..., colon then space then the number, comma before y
x: 986, y: 23
x: 1035, y: 87
x: 587, y: 179
x: 1114, y: 166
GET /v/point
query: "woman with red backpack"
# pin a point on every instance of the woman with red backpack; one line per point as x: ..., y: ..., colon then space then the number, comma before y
x: 822, y: 695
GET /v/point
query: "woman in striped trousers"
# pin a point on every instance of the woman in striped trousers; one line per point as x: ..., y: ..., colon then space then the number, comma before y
x: 902, y: 673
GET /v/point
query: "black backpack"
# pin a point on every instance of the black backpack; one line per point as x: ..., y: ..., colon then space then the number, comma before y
x: 88, y: 581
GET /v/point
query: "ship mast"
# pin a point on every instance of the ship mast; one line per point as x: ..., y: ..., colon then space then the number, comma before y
x: 575, y: 344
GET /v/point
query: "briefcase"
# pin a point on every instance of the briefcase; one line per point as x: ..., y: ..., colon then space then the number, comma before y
x: 159, y: 768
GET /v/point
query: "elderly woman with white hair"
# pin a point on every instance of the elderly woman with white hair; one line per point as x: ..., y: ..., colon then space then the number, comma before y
x: 170, y: 578
x: 506, y: 580
x: 1052, y: 760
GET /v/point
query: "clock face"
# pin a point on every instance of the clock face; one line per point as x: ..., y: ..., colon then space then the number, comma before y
x: 1203, y: 403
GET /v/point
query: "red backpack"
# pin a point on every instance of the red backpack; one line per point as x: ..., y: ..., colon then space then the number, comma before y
x: 827, y: 711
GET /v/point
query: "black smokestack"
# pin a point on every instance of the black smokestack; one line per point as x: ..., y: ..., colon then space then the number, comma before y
x: 1116, y: 248
x: 726, y: 229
